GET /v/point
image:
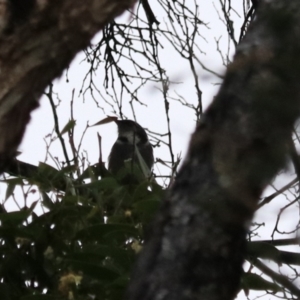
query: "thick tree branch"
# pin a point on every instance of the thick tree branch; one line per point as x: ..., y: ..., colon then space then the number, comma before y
x: 197, y: 244
x: 36, y: 51
x: 281, y: 279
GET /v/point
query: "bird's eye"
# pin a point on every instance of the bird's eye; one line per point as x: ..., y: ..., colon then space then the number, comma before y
x: 123, y: 139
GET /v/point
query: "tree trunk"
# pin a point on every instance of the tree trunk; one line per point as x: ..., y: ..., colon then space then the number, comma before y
x: 196, y: 246
x: 38, y: 40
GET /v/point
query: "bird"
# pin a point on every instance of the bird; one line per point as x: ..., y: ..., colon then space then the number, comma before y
x: 131, y: 157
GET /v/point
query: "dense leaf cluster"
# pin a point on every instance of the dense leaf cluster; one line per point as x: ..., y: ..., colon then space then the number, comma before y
x: 86, y: 242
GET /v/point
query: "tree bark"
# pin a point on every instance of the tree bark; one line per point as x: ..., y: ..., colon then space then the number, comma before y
x: 196, y: 245
x: 36, y: 45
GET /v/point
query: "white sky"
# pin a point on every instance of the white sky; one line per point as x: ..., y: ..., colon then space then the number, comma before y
x: 152, y: 117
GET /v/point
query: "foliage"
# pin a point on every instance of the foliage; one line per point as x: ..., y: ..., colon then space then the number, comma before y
x: 85, y: 241
x: 84, y: 244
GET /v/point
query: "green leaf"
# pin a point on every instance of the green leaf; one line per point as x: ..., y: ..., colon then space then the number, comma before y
x: 39, y: 297
x: 117, y: 293
x: 9, y: 231
x: 107, y: 183
x: 90, y: 269
x: 5, y: 291
x: 33, y: 205
x: 11, y: 185
x: 263, y: 250
x: 96, y: 254
x: 251, y: 281
x: 70, y: 125
x: 89, y: 172
x: 122, y: 282
x: 108, y: 231
x: 68, y: 169
x: 46, y: 169
x: 47, y: 202
x: 145, y: 169
x: 73, y: 199
x: 146, y: 209
x: 48, y: 177
x: 50, y: 172
x: 157, y: 190
x: 15, y: 216
x: 141, y: 191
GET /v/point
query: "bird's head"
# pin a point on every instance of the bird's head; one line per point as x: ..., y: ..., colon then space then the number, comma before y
x: 131, y: 132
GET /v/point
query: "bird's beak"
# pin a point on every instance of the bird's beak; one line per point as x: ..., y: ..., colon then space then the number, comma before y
x: 106, y: 120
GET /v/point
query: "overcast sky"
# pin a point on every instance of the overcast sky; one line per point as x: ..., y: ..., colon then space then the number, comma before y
x: 152, y: 116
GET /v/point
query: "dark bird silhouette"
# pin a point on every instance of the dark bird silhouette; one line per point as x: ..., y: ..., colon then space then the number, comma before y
x: 131, y: 157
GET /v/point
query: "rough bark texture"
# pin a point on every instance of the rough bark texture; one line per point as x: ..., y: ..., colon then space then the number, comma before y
x: 36, y: 45
x: 196, y: 246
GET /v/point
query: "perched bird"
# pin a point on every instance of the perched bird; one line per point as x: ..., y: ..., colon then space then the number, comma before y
x: 131, y: 155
